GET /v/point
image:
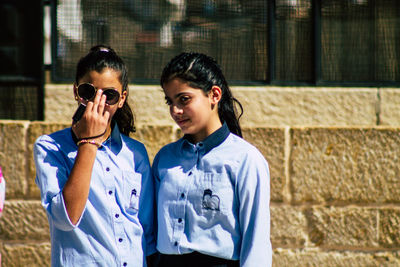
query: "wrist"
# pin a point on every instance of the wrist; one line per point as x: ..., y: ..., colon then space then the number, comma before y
x: 88, y: 141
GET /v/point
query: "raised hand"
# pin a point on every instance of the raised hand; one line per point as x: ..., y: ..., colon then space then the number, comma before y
x: 94, y: 122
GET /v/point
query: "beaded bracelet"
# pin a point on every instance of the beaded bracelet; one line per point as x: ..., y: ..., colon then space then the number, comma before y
x: 86, y: 141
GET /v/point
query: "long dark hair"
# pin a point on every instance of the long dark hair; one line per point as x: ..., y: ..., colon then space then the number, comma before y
x: 202, y: 72
x: 99, y: 58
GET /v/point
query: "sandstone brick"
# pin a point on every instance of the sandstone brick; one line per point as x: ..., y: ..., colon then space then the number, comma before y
x: 148, y: 104
x: 345, y: 165
x: 271, y: 143
x: 343, y: 227
x: 24, y: 220
x: 13, y: 156
x: 389, y: 227
x: 154, y: 137
x: 178, y: 132
x: 389, y: 106
x: 59, y: 103
x: 27, y: 254
x: 307, y: 106
x: 34, y: 131
x: 318, y: 258
x: 288, y: 227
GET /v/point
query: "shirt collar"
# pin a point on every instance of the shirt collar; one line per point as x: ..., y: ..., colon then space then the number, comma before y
x: 214, y: 139
x: 115, y: 139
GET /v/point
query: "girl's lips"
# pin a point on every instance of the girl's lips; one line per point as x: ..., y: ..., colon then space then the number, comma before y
x: 181, y: 121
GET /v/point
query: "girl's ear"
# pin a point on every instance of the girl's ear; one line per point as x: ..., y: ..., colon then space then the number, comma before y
x: 122, y: 100
x: 215, y: 94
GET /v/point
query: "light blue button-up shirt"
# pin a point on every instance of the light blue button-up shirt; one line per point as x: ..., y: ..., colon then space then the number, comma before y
x: 116, y: 226
x: 213, y: 198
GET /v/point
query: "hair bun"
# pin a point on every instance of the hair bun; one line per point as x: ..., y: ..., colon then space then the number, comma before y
x: 101, y: 48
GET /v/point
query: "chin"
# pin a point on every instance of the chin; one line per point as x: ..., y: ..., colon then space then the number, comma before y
x: 187, y: 130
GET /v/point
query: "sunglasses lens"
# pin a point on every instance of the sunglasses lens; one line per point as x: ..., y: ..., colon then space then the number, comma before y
x: 112, y: 96
x: 86, y: 91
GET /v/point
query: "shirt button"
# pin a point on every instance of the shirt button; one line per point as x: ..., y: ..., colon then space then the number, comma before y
x: 176, y: 243
x: 134, y: 192
x: 179, y: 220
x: 120, y: 240
x: 190, y: 173
x: 116, y: 215
x: 108, y: 169
x: 182, y: 195
x: 125, y: 264
x: 110, y: 192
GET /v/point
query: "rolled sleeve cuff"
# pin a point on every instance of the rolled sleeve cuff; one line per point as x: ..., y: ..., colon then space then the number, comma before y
x: 59, y: 215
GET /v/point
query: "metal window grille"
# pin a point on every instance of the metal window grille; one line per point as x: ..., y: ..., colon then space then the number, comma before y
x: 281, y: 42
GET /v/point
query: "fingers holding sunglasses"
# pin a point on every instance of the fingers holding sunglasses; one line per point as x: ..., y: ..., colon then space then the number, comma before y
x: 94, y: 121
x: 101, y: 106
x: 98, y: 108
x: 100, y: 97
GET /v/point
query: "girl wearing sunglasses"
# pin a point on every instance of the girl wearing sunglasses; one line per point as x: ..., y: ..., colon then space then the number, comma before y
x: 95, y: 181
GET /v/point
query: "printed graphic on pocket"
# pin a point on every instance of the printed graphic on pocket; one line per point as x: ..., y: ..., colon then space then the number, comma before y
x: 210, y: 201
x: 134, y: 202
x: 132, y: 191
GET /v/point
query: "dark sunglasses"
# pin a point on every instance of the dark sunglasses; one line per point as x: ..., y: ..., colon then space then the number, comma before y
x: 87, y: 92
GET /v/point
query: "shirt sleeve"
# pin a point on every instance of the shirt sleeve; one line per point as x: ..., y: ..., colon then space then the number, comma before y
x: 253, y: 185
x: 147, y: 204
x: 51, y: 176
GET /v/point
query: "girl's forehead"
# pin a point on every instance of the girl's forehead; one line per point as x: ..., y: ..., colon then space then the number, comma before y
x: 104, y: 79
x: 108, y: 75
x: 106, y: 72
x: 178, y: 84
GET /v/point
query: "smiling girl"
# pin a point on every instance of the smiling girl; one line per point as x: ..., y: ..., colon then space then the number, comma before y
x: 212, y: 187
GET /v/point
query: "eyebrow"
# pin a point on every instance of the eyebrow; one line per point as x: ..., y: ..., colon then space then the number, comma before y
x: 176, y: 96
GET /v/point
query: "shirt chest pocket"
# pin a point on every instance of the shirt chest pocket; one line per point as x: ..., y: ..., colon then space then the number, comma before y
x: 213, y: 193
x: 132, y: 187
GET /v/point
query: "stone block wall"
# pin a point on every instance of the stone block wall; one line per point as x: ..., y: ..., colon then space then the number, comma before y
x: 333, y: 154
x: 335, y: 192
x: 263, y: 105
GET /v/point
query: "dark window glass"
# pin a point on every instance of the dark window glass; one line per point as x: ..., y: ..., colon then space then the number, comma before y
x: 21, y: 57
x: 147, y: 34
x: 387, y: 40
x: 294, y: 40
x: 347, y: 40
x: 310, y: 42
x: 360, y: 40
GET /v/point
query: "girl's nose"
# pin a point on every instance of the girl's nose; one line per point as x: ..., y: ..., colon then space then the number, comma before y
x: 175, y: 109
